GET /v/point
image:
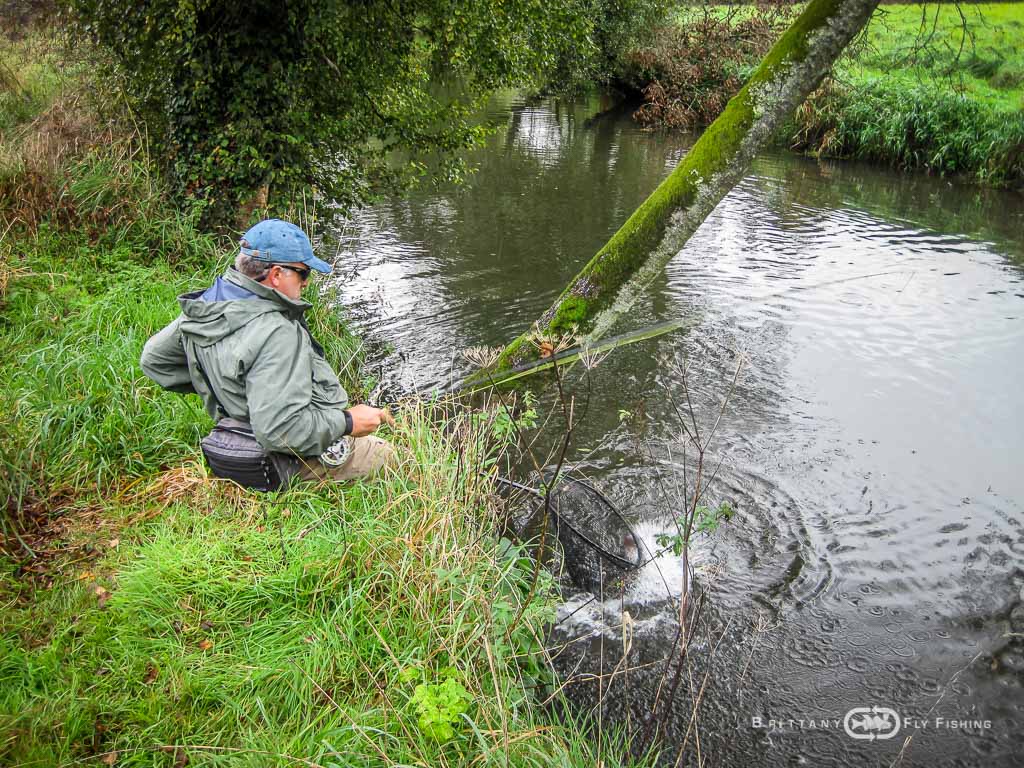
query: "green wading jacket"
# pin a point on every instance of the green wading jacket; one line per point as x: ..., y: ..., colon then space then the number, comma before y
x: 266, y: 368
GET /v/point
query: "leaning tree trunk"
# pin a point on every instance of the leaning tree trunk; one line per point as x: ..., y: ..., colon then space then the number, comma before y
x: 659, y: 228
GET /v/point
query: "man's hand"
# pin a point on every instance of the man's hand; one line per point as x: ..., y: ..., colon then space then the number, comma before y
x: 366, y: 419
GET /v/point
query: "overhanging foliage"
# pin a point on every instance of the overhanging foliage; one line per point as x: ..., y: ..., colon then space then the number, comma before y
x: 241, y: 96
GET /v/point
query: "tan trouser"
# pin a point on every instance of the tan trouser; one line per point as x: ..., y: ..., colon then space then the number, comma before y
x: 368, y: 456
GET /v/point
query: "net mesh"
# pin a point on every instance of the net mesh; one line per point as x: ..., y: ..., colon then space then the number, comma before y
x: 599, y: 545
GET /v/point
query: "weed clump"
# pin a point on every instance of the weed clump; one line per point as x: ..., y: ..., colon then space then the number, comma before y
x: 915, y: 127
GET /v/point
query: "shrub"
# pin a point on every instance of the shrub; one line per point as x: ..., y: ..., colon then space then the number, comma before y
x: 244, y: 98
x: 916, y: 126
x: 695, y: 66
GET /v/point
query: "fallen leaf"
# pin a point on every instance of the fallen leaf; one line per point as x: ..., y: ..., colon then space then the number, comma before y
x: 206, y: 625
x: 114, y: 543
x: 84, y: 575
x: 180, y: 758
x: 151, y: 674
x: 205, y: 644
x: 110, y: 758
x: 286, y: 513
x: 102, y: 595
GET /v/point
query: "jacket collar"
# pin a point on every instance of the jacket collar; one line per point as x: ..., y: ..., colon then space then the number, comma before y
x: 295, y: 307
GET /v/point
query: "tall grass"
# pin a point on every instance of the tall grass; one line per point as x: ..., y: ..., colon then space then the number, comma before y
x: 81, y: 415
x: 916, y: 126
x: 294, y: 629
x: 928, y: 89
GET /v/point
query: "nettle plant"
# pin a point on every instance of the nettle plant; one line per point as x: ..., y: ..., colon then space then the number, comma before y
x: 440, y: 706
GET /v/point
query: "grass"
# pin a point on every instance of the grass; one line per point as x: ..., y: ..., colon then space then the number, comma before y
x: 931, y: 90
x: 81, y: 415
x: 155, y: 616
x: 167, y: 615
x: 29, y: 80
x: 925, y: 88
x: 255, y: 631
x: 977, y: 54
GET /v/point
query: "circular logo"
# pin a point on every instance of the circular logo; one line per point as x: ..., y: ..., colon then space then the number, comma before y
x: 871, y: 723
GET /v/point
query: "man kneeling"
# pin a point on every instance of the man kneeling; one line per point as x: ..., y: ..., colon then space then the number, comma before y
x: 243, y: 345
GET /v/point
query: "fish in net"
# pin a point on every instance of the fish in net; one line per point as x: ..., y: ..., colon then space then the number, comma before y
x: 599, y: 547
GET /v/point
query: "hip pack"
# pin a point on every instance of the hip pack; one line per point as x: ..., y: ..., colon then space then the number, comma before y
x: 232, y: 452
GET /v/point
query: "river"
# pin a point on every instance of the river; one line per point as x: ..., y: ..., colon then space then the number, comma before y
x: 872, y: 446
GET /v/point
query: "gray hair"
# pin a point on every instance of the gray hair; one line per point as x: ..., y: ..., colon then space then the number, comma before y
x: 251, y: 267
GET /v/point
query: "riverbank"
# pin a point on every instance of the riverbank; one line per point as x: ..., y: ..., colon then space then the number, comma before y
x: 153, y: 615
x: 925, y: 89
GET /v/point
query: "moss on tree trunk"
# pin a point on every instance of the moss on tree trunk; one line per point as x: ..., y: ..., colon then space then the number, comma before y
x: 608, y: 285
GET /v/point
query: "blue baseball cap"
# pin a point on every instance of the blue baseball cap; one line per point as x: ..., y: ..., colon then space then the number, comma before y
x: 281, y: 242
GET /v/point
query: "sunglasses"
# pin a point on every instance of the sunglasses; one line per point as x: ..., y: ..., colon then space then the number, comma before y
x: 302, y: 273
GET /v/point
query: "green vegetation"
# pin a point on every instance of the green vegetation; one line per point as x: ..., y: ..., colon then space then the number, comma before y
x: 979, y: 54
x: 929, y: 90
x: 924, y: 88
x: 703, y: 519
x: 256, y: 106
x: 154, y: 616
x: 359, y: 626
x: 615, y: 28
x: 28, y: 80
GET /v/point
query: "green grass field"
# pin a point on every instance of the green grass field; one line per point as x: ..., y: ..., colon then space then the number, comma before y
x: 924, y: 88
x: 979, y: 54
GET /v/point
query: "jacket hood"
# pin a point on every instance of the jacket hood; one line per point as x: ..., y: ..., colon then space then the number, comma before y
x: 233, y: 301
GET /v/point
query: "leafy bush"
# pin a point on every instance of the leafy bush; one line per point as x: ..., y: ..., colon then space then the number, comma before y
x: 693, y: 67
x: 240, y: 98
x: 614, y: 29
x: 440, y: 706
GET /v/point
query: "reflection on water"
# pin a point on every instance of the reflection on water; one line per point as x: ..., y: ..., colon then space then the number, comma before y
x: 871, y: 447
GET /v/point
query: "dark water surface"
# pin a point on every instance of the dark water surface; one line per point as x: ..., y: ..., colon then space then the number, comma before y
x: 872, y: 446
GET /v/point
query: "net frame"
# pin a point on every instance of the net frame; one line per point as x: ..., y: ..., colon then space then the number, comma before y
x: 564, y: 519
